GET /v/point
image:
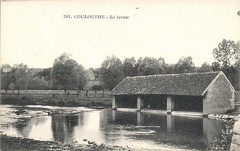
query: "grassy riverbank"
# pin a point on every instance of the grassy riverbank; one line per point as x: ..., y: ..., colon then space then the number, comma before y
x: 57, y: 100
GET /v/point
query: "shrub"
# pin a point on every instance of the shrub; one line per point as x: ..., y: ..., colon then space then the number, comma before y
x: 72, y: 103
x: 61, y: 103
x: 24, y: 98
x: 97, y: 88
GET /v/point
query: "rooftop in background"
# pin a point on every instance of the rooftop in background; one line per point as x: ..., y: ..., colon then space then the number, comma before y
x: 168, y: 84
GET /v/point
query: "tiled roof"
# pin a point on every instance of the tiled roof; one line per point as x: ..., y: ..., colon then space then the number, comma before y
x: 169, y: 84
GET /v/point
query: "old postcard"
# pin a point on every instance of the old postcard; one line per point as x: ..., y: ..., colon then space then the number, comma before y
x: 120, y: 75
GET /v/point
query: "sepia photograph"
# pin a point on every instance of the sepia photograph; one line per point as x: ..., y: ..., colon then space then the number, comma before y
x: 108, y: 75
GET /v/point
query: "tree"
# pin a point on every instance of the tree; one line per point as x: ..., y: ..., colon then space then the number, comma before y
x: 205, y: 67
x: 227, y: 59
x: 38, y: 84
x: 6, y: 78
x: 111, y: 72
x: 170, y: 68
x: 139, y: 61
x: 237, y: 64
x: 216, y: 66
x: 22, y: 76
x: 46, y: 74
x: 82, y: 79
x: 162, y: 65
x: 150, y: 66
x: 129, y: 67
x: 67, y: 74
x: 185, y: 65
x: 227, y: 53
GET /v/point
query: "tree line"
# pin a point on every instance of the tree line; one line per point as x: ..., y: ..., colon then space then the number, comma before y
x: 227, y: 59
x: 66, y: 73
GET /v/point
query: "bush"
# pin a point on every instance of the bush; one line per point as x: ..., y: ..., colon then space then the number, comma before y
x: 72, y: 103
x: 52, y: 102
x: 24, y: 98
x: 57, y: 101
x: 97, y: 88
x: 61, y: 103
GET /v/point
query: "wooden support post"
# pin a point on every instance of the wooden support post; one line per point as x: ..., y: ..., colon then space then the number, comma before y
x: 170, y: 123
x: 114, y: 103
x: 139, y: 103
x: 170, y: 105
x: 113, y: 116
x: 139, y: 118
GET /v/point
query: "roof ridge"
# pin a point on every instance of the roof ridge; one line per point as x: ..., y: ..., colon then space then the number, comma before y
x: 175, y: 84
x: 173, y: 74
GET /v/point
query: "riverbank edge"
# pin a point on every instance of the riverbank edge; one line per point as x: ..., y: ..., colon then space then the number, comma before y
x: 63, y: 101
x: 235, y: 144
x: 25, y: 144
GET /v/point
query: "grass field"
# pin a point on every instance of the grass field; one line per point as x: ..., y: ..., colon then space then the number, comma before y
x: 55, y: 92
x: 58, y: 98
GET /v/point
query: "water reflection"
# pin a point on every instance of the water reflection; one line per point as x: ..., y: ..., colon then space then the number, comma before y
x: 135, y: 129
x: 62, y: 127
x: 25, y: 127
x: 181, y: 131
x: 211, y: 129
x: 170, y: 123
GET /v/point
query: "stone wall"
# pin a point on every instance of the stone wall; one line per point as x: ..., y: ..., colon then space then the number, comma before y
x: 235, y: 145
x: 219, y: 98
x: 237, y: 97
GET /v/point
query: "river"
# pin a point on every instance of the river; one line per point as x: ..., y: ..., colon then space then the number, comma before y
x: 121, y: 128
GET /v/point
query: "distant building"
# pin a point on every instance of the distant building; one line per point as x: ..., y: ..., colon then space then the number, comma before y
x: 209, y: 92
x: 89, y: 75
x: 91, y: 80
x: 90, y: 84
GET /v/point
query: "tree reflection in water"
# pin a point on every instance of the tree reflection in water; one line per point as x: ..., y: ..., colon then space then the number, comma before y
x: 62, y: 127
x: 123, y: 128
x: 24, y: 128
x: 187, y: 132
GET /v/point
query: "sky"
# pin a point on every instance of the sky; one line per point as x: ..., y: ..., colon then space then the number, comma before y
x: 35, y: 32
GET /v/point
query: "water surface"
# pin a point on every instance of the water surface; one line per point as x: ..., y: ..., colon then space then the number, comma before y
x: 132, y: 129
